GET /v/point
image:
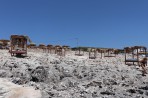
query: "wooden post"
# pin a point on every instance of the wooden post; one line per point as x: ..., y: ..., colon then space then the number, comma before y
x: 125, y: 54
x: 26, y: 47
x: 101, y: 53
x: 133, y: 54
x: 138, y: 56
x: 79, y: 51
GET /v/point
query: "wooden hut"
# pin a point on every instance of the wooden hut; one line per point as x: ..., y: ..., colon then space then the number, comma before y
x: 18, y: 45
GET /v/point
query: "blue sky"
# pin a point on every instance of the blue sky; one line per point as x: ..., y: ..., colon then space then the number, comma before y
x: 97, y: 23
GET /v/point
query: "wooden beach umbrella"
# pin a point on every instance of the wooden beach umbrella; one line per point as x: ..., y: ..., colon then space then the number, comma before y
x: 32, y: 45
x: 65, y: 47
x: 49, y: 47
x: 58, y: 50
x: 4, y: 42
x: 41, y: 45
x: 58, y: 47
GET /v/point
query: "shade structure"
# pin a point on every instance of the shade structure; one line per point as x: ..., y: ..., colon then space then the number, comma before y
x: 110, y: 52
x: 65, y: 49
x: 4, y: 42
x: 135, y: 52
x: 92, y: 53
x: 50, y: 48
x: 58, y: 50
x: 18, y: 45
x: 32, y: 44
x: 41, y: 46
x: 79, y: 51
x: 101, y: 51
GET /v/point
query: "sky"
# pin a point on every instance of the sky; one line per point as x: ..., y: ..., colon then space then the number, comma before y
x: 93, y: 23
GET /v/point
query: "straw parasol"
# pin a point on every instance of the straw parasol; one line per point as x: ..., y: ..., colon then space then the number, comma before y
x: 32, y: 44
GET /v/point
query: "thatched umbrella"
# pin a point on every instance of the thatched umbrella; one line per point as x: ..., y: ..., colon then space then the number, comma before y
x: 4, y: 42
x: 65, y: 49
x: 58, y: 50
x: 32, y: 45
x: 49, y: 47
x: 42, y: 46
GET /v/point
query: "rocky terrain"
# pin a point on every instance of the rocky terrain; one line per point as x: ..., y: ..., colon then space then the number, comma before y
x: 51, y: 76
